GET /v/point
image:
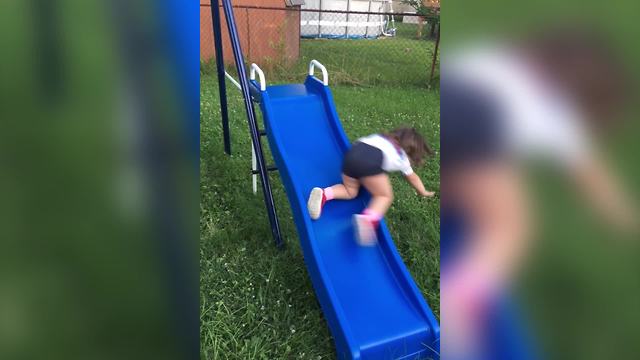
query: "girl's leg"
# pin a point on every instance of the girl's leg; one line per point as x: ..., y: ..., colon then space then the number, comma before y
x: 345, y: 191
x: 381, y: 198
x: 381, y: 193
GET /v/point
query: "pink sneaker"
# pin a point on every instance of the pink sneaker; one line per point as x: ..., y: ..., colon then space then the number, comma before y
x: 316, y: 202
x: 365, y: 230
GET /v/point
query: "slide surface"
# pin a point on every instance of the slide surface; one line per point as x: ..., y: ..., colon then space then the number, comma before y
x: 371, y: 303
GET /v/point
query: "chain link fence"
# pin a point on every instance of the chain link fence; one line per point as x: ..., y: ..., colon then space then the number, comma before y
x: 364, y: 48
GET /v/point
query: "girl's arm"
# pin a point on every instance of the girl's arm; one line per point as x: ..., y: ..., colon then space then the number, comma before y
x: 417, y: 184
x: 605, y: 193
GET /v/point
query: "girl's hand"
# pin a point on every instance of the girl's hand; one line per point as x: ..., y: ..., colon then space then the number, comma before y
x: 417, y: 184
x: 428, y: 194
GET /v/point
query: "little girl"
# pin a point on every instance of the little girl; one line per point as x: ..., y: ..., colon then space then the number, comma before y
x: 367, y: 163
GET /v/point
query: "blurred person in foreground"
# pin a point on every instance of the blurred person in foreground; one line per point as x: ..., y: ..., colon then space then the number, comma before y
x: 505, y: 104
x: 99, y: 180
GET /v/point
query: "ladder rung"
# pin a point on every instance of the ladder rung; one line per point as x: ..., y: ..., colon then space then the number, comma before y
x: 269, y: 168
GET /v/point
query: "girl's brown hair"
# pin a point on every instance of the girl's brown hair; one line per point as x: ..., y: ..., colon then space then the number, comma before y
x: 410, y: 140
x: 583, y: 62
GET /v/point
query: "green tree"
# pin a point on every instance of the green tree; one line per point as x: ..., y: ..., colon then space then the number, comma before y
x: 431, y: 13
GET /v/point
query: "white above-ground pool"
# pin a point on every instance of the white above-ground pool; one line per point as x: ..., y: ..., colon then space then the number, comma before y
x: 346, y: 26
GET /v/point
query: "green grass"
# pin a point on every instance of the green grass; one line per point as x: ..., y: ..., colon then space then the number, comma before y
x: 257, y: 302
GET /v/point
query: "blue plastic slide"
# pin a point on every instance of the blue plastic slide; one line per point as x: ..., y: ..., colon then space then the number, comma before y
x: 370, y: 301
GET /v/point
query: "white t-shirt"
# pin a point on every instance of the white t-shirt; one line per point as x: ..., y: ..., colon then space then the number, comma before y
x: 537, y: 118
x: 394, y: 159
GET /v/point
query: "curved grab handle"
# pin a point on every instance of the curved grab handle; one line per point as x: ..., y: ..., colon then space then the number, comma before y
x: 263, y: 82
x: 325, y: 75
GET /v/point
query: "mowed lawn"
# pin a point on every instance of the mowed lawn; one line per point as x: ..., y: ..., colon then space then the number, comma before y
x: 257, y: 302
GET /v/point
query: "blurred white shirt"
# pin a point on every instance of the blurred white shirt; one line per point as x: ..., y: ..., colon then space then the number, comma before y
x: 394, y: 159
x: 537, y: 119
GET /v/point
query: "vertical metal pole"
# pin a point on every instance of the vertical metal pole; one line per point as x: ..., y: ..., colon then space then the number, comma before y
x: 222, y: 87
x: 366, y: 31
x: 319, y: 20
x: 299, y: 11
x: 393, y: 18
x: 246, y: 16
x: 253, y: 124
x: 435, y: 57
x: 346, y: 30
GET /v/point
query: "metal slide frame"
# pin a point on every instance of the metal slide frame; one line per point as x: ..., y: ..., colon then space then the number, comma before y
x: 259, y: 164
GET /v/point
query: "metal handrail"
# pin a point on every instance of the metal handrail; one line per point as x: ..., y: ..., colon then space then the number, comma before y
x: 233, y: 81
x: 263, y: 83
x: 325, y: 74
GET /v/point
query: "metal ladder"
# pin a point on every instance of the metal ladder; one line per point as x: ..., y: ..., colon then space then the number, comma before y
x: 259, y: 166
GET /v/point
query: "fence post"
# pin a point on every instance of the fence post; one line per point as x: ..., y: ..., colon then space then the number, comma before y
x: 319, y: 20
x: 346, y: 28
x: 366, y: 31
x: 435, y: 57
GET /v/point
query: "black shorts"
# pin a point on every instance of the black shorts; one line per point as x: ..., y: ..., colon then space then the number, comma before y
x: 362, y: 160
x: 471, y: 129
